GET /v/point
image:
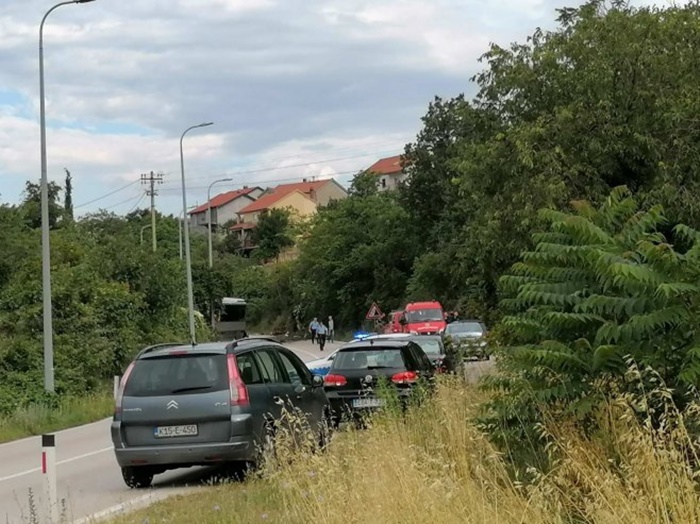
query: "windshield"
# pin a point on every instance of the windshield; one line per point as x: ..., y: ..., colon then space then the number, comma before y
x: 232, y: 313
x: 429, y: 346
x: 424, y: 315
x: 359, y: 359
x: 465, y: 327
x: 172, y: 375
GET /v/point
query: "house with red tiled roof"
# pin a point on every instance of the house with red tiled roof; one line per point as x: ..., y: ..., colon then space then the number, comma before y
x: 389, y: 172
x: 224, y: 207
x: 302, y: 199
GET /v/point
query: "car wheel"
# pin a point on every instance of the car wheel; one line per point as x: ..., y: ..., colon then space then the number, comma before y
x: 136, y: 477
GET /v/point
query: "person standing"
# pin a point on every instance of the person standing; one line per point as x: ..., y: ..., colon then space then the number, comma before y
x: 321, y: 332
x: 313, y: 328
x: 331, y: 330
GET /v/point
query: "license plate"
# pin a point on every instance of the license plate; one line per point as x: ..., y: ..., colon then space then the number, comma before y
x: 367, y: 402
x: 189, y: 430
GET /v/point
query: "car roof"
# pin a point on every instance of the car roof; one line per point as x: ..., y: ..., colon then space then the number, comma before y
x: 370, y: 344
x: 222, y: 347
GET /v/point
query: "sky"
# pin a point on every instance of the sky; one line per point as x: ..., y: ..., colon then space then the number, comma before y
x: 295, y: 88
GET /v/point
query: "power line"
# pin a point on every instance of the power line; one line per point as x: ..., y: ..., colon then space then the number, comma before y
x: 265, y: 182
x: 136, y: 204
x: 292, y: 166
x: 106, y: 195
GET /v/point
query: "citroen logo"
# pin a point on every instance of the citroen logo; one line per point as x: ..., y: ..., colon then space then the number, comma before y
x: 368, y: 379
x: 172, y: 405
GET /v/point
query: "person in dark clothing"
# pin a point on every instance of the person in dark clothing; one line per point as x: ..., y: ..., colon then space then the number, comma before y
x: 321, y: 333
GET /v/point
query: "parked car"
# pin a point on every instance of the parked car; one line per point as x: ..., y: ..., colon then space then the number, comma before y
x: 469, y: 334
x: 358, y: 368
x: 432, y: 345
x: 320, y: 366
x: 182, y: 405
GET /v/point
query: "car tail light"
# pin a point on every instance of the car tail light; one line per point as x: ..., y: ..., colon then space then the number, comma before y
x: 405, y: 377
x: 239, y: 393
x: 122, y: 385
x: 334, y: 380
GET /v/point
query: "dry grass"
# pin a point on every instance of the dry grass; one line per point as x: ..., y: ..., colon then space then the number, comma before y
x: 72, y: 411
x: 436, y: 466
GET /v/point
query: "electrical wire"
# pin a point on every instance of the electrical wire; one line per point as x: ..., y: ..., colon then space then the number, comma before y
x: 106, y: 195
x: 266, y: 182
x: 143, y: 195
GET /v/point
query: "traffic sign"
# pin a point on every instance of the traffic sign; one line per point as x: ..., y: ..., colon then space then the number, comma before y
x: 374, y: 312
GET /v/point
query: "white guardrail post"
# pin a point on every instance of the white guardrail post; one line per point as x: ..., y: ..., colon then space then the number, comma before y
x: 117, y: 379
x: 48, y: 470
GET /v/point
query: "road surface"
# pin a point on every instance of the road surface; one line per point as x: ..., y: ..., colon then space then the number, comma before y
x: 89, y: 481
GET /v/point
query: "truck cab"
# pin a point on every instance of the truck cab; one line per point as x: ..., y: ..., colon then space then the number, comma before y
x: 424, y: 318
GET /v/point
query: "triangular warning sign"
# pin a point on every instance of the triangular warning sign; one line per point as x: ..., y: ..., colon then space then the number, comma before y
x: 374, y: 312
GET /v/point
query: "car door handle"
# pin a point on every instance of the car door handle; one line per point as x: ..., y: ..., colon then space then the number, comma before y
x: 277, y: 400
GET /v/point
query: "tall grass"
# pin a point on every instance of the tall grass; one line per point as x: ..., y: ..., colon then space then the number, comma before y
x: 36, y: 419
x: 434, y: 465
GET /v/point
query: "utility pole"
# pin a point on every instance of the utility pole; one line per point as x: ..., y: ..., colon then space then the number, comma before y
x: 152, y: 179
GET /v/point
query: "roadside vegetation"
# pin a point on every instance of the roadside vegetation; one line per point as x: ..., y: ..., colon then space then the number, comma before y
x: 64, y: 412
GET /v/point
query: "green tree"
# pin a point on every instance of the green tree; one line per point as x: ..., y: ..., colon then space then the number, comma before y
x: 68, y: 200
x: 602, y: 288
x: 272, y: 233
x: 32, y: 204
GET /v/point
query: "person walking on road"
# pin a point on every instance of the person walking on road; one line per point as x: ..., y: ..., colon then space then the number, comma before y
x: 321, y: 333
x: 313, y: 328
x: 331, y: 330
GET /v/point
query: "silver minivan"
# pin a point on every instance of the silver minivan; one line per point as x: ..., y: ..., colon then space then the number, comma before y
x: 182, y: 405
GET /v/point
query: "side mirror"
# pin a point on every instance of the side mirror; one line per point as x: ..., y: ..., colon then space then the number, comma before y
x: 317, y: 381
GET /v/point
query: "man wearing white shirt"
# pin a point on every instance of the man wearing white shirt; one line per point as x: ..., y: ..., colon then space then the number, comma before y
x: 331, y: 329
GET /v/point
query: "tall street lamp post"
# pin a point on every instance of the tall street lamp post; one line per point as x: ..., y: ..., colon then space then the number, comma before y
x: 45, y: 238
x: 211, y: 254
x: 188, y: 254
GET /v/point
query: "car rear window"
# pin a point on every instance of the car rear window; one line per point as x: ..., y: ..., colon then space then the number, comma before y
x: 431, y: 347
x: 176, y: 375
x: 357, y: 359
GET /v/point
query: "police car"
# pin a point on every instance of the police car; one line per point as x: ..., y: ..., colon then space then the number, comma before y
x: 321, y: 366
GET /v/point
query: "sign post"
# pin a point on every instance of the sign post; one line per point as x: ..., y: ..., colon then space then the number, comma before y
x: 374, y: 312
x: 48, y: 470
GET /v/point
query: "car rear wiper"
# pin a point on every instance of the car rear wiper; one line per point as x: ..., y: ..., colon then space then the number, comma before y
x: 378, y: 367
x: 193, y: 388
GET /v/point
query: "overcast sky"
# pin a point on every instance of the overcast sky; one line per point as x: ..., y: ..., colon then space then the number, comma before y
x: 296, y: 88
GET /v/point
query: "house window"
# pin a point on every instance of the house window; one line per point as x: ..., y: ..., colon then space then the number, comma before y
x: 384, y: 183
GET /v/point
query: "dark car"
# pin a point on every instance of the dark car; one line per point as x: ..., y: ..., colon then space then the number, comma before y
x: 183, y: 405
x: 470, y: 335
x: 359, y: 367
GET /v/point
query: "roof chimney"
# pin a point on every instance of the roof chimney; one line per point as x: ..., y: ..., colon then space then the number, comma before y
x: 303, y: 180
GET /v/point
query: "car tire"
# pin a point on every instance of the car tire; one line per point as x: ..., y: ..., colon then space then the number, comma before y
x: 267, y: 452
x: 137, y: 477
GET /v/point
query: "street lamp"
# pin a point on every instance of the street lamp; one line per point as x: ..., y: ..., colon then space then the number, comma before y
x: 179, y: 230
x: 188, y: 254
x: 211, y: 257
x: 45, y: 238
x: 144, y: 228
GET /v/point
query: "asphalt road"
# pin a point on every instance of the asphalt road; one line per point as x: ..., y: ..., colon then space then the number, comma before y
x: 89, y: 481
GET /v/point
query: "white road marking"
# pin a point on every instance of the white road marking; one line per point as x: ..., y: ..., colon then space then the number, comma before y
x: 65, y: 461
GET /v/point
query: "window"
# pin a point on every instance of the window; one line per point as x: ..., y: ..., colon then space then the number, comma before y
x: 248, y: 368
x: 295, y: 371
x: 269, y: 367
x: 172, y: 375
x: 384, y: 182
x: 361, y: 359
